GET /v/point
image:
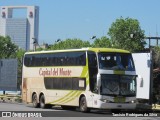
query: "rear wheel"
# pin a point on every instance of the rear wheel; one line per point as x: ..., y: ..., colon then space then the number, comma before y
x: 43, y: 105
x: 42, y: 102
x: 35, y: 101
x: 83, y: 105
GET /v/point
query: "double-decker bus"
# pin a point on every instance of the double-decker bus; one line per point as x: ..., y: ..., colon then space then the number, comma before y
x: 87, y: 78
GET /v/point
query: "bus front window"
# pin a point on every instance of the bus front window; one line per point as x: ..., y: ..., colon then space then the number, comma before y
x: 115, y: 85
x: 116, y: 61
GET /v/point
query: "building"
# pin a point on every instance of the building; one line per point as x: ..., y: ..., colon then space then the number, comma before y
x: 22, y: 31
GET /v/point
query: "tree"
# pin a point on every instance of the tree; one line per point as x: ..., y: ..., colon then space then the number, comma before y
x: 10, y: 50
x: 19, y: 56
x: 127, y: 34
x: 156, y: 57
x: 70, y: 44
x: 102, y: 42
x: 7, y: 48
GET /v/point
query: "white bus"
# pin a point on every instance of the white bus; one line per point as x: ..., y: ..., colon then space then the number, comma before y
x: 87, y: 78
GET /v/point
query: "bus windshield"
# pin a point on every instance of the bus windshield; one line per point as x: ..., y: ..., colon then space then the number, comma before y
x: 118, y: 85
x: 116, y: 61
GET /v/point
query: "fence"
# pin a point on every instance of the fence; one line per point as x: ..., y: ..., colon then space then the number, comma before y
x: 8, y: 74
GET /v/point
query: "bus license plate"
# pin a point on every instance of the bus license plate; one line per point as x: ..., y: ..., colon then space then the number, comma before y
x: 119, y: 99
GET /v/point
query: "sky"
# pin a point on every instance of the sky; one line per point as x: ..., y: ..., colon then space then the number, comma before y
x: 62, y: 19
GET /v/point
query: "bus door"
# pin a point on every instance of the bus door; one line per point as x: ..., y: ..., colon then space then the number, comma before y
x: 93, y: 70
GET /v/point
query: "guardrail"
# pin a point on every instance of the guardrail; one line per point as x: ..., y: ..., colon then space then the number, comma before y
x: 11, y: 98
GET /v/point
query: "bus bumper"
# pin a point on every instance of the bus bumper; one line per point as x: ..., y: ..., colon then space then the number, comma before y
x: 123, y: 106
x: 116, y: 106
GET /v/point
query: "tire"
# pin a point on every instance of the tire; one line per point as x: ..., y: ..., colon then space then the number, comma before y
x: 42, y: 102
x: 35, y: 101
x: 83, y: 105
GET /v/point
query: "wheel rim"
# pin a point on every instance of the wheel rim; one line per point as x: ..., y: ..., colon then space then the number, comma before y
x: 34, y: 100
x: 83, y: 104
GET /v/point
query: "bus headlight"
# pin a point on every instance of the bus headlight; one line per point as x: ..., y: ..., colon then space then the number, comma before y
x: 133, y: 101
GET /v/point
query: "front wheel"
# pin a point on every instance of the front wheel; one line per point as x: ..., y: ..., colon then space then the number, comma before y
x: 83, y: 105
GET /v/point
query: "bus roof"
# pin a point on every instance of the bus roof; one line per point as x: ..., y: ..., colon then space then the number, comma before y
x: 82, y: 49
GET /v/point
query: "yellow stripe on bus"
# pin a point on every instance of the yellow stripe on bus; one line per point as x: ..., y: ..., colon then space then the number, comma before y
x: 78, y: 93
x: 64, y: 97
x: 70, y: 98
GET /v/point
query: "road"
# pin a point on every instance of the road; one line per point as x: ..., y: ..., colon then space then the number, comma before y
x: 54, y: 111
x: 23, y: 110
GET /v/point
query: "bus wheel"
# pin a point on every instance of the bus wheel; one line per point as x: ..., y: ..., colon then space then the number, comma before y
x: 35, y: 101
x: 83, y: 105
x: 42, y: 102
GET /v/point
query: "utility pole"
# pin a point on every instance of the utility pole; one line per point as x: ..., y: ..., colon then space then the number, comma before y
x: 34, y: 44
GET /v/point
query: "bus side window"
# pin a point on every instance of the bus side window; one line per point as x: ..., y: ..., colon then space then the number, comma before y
x: 32, y: 62
x: 27, y: 60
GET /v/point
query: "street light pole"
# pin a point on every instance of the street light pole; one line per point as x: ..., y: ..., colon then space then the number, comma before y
x: 34, y: 44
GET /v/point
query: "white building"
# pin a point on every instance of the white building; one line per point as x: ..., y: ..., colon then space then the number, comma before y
x: 22, y: 31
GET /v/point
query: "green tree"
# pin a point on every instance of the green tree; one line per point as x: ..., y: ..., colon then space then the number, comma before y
x: 7, y: 48
x: 70, y: 44
x: 156, y: 56
x: 19, y: 56
x: 102, y: 42
x: 10, y: 50
x: 127, y: 34
x: 20, y: 53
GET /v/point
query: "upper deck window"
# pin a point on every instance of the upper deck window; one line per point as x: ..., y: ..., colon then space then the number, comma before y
x: 116, y: 61
x: 56, y: 59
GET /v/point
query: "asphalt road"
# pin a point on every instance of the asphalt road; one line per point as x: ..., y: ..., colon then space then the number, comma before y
x: 55, y: 111
x: 23, y: 110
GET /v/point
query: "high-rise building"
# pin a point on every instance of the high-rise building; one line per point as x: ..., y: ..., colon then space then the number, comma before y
x: 22, y: 31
